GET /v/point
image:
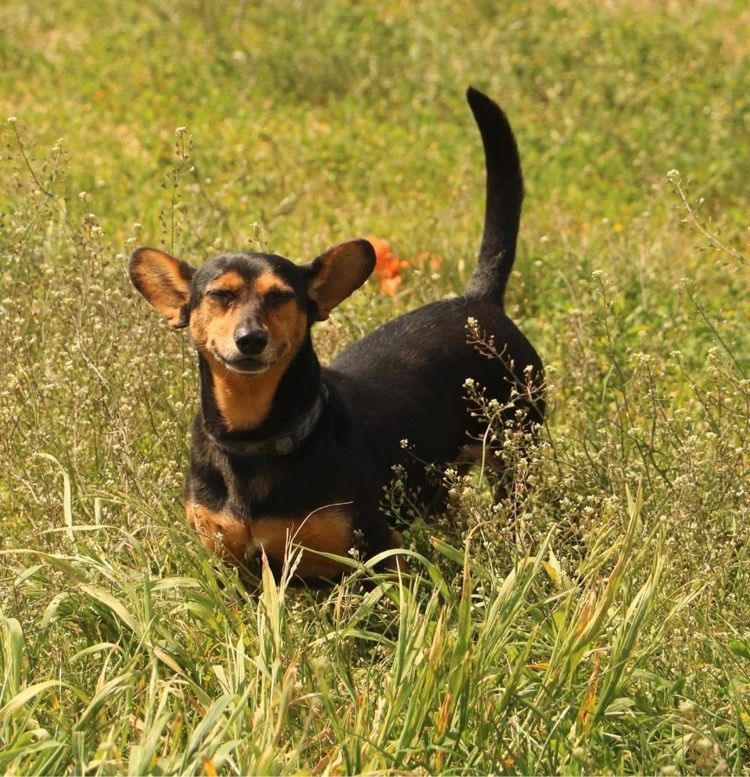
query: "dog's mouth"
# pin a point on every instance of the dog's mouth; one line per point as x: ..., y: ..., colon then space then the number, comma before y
x: 248, y: 365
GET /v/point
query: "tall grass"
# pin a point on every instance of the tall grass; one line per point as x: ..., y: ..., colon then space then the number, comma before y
x: 451, y: 668
x: 597, y: 620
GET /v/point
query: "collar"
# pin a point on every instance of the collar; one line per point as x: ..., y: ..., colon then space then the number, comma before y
x: 280, y: 444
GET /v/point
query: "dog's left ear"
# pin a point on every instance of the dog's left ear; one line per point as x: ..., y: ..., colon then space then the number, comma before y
x: 338, y: 272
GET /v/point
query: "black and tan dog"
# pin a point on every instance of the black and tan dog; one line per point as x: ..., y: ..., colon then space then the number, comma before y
x: 284, y: 448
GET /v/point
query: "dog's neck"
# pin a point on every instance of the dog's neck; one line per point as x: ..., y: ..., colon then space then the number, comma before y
x: 237, y: 408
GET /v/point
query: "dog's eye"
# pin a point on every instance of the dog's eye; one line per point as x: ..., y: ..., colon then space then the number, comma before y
x: 278, y: 297
x: 224, y: 296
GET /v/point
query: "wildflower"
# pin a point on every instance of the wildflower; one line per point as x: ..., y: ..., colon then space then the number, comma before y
x: 387, y: 266
x: 687, y: 708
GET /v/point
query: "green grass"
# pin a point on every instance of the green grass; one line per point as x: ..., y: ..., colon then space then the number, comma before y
x: 598, y: 621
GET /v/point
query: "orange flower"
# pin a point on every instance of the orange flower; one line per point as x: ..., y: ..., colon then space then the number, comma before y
x: 387, y: 266
x: 432, y: 260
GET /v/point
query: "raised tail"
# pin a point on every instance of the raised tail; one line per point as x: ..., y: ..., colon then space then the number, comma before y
x: 503, y: 206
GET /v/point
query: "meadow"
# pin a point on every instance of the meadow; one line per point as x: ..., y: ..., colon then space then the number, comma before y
x: 598, y: 620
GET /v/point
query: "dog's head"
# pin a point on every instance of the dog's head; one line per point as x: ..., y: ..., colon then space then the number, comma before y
x: 248, y: 313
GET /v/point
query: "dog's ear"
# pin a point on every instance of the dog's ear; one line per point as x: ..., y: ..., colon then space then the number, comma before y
x: 335, y: 274
x: 164, y: 281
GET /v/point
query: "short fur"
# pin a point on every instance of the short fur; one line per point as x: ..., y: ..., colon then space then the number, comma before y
x: 250, y: 314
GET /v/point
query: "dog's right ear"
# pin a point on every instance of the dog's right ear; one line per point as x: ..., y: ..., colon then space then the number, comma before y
x: 164, y: 281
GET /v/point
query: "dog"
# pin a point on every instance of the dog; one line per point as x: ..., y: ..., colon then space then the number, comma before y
x: 284, y: 449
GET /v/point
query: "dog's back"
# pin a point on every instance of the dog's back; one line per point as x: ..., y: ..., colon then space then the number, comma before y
x: 407, y: 378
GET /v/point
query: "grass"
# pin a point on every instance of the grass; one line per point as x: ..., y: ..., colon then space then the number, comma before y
x: 598, y: 621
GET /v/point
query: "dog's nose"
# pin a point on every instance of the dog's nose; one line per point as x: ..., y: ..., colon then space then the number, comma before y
x: 250, y: 342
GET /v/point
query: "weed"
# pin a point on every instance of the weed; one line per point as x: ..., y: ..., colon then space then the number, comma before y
x: 596, y: 619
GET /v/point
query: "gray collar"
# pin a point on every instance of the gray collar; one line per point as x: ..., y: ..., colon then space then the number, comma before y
x: 280, y: 444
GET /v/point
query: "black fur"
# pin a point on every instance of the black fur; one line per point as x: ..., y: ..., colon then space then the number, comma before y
x: 404, y: 381
x: 504, y: 197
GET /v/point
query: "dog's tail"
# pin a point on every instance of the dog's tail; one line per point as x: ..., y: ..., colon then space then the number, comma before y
x: 503, y: 206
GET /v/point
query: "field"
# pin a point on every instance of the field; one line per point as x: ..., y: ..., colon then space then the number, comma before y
x: 597, y: 621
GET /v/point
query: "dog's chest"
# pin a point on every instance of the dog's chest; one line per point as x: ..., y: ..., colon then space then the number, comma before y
x: 238, y: 540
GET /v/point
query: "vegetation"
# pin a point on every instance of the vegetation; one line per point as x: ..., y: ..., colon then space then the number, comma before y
x: 598, y: 620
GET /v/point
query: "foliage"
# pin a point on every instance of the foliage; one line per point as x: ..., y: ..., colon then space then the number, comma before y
x: 597, y: 620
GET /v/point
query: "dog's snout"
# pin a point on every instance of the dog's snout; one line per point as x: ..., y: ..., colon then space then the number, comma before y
x: 249, y: 341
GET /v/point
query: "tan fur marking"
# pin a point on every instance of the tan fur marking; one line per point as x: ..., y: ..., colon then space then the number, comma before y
x: 394, y: 563
x: 229, y: 281
x: 227, y: 537
x: 234, y: 541
x: 244, y: 401
x: 328, y: 529
x: 269, y: 281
